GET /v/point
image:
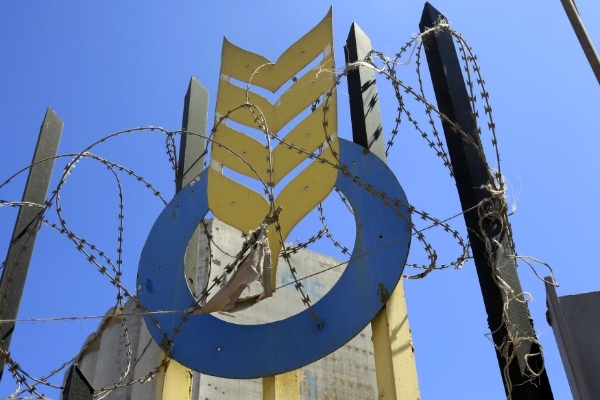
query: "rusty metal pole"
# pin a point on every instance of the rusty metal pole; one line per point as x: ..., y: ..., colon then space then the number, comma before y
x: 28, y: 222
x: 395, y: 364
x: 472, y: 175
x: 582, y: 36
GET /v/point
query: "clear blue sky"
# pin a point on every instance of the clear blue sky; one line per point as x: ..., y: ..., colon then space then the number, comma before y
x: 108, y: 66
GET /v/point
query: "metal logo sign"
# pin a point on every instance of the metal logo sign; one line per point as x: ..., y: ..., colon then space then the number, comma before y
x: 216, y: 347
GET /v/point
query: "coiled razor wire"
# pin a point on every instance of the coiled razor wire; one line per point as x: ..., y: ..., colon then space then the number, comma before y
x: 386, y: 67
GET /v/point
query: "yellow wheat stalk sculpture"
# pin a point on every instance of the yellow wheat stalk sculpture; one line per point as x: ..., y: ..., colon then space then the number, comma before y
x: 240, y: 206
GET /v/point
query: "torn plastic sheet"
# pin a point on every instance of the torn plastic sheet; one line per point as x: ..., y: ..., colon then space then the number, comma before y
x: 255, y: 267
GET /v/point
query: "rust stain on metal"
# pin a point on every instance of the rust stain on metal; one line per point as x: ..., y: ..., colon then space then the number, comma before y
x: 383, y: 293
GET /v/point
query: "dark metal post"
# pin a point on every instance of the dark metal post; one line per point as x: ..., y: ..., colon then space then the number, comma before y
x: 26, y: 227
x: 77, y: 387
x: 362, y: 90
x: 582, y: 36
x: 388, y: 326
x: 471, y: 174
x: 191, y: 160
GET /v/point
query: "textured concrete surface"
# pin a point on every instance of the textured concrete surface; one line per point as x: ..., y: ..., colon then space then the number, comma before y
x: 348, y: 373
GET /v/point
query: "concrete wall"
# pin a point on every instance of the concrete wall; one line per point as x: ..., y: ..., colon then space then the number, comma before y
x: 349, y: 373
x: 574, y: 320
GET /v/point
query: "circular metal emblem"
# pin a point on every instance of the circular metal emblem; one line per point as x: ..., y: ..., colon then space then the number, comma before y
x: 212, y: 346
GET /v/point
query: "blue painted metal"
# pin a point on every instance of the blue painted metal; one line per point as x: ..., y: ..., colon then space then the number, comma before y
x: 215, y: 347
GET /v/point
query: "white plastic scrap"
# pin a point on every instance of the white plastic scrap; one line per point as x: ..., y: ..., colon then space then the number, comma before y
x: 255, y: 267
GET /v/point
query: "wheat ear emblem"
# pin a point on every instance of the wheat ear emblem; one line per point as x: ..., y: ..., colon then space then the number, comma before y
x: 300, y: 111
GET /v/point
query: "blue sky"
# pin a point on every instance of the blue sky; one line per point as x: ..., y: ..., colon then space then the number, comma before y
x: 109, y: 66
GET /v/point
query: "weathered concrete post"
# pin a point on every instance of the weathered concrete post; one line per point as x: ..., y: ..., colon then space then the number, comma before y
x: 26, y: 228
x: 174, y: 380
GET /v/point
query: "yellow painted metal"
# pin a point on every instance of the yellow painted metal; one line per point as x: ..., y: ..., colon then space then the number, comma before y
x: 234, y: 203
x: 174, y: 381
x: 253, y: 152
x: 298, y: 198
x: 245, y: 209
x: 240, y: 64
x: 307, y: 135
x: 282, y: 387
x: 297, y: 98
x: 238, y: 205
x: 395, y: 364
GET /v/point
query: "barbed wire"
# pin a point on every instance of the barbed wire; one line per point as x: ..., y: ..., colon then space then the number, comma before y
x: 112, y: 271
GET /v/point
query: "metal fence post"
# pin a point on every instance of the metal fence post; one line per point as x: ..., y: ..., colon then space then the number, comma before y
x: 175, y: 381
x: 28, y: 222
x: 76, y: 386
x: 471, y: 175
x: 583, y: 37
x: 191, y: 160
x: 395, y: 364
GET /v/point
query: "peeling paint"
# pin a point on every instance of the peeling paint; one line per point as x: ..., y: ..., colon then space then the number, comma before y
x: 149, y: 286
x: 383, y: 293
